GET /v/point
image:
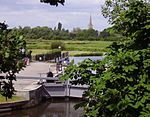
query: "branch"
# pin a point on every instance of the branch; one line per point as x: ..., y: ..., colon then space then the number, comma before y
x: 53, y: 2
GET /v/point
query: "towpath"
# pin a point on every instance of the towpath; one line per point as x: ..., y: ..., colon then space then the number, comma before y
x: 38, y: 69
x: 35, y: 69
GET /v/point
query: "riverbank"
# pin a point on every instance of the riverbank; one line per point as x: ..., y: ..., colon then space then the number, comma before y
x: 29, y: 91
x: 14, y: 98
x: 30, y: 98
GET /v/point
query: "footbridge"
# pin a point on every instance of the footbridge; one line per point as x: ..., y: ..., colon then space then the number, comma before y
x: 55, y: 88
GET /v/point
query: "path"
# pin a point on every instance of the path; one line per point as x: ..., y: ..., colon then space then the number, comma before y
x: 35, y: 69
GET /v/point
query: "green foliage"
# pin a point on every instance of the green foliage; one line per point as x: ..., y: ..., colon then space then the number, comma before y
x: 59, y: 33
x: 89, y: 34
x: 3, y: 26
x: 136, y: 29
x: 59, y: 26
x: 43, y: 46
x: 10, y: 60
x: 43, y: 33
x: 82, y: 73
x: 58, y: 45
x: 14, y: 98
x: 121, y: 85
x: 111, y: 34
x: 92, y: 46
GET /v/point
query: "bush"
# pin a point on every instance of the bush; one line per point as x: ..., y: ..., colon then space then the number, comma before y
x: 57, y: 45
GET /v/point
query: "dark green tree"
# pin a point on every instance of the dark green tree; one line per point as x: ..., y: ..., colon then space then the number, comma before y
x: 86, y: 34
x: 121, y: 85
x: 53, y: 2
x: 59, y: 26
x: 10, y: 59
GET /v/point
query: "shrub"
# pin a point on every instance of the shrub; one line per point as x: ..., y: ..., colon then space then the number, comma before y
x: 57, y: 44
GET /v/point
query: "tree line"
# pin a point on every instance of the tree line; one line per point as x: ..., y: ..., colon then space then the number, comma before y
x: 60, y: 33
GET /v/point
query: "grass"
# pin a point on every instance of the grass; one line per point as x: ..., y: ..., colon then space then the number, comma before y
x: 39, y: 51
x: 89, y: 54
x: 13, y: 99
x: 43, y: 46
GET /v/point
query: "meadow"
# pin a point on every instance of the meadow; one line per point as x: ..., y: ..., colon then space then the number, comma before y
x: 74, y: 47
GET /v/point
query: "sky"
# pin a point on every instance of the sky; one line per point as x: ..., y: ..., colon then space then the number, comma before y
x: 75, y: 13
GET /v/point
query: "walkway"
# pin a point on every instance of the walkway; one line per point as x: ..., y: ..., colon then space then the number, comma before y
x: 28, y: 80
x: 35, y: 69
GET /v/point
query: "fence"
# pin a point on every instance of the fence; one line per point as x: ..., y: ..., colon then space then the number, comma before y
x: 56, y: 56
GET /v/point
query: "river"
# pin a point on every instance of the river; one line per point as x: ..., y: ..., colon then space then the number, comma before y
x: 80, y: 59
x: 48, y: 109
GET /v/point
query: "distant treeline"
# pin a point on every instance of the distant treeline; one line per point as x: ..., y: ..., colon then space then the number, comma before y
x: 62, y: 34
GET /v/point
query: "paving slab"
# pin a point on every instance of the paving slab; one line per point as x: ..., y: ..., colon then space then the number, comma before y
x: 38, y: 69
x: 35, y: 69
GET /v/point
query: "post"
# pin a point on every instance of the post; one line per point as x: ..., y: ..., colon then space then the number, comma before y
x: 67, y: 91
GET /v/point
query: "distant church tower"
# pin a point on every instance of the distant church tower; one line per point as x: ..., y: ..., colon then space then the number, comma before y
x: 90, y: 26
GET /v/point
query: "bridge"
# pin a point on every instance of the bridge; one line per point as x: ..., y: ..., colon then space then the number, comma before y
x: 52, y: 86
x: 33, y: 85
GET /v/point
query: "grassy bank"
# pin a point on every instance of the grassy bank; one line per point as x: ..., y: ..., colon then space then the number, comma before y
x: 75, y: 47
x: 14, y: 98
x: 89, y: 54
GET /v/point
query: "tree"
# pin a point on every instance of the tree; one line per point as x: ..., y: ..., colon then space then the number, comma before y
x: 53, y: 2
x: 58, y: 45
x: 10, y: 59
x: 85, y: 34
x: 59, y: 26
x: 121, y: 85
x: 10, y: 55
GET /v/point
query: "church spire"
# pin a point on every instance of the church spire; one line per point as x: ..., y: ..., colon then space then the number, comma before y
x: 90, y: 23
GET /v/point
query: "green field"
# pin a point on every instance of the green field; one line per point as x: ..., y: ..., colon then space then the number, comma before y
x: 43, y: 46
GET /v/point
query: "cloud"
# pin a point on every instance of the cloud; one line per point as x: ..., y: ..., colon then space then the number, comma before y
x: 27, y: 2
x: 33, y: 13
x: 85, y: 2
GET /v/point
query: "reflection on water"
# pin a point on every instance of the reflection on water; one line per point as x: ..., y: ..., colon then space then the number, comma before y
x: 80, y: 59
x: 48, y: 109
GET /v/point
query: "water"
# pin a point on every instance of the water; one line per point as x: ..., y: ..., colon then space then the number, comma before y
x: 80, y: 59
x: 47, y: 109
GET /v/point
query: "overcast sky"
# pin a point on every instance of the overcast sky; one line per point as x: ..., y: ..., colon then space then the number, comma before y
x: 75, y: 13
